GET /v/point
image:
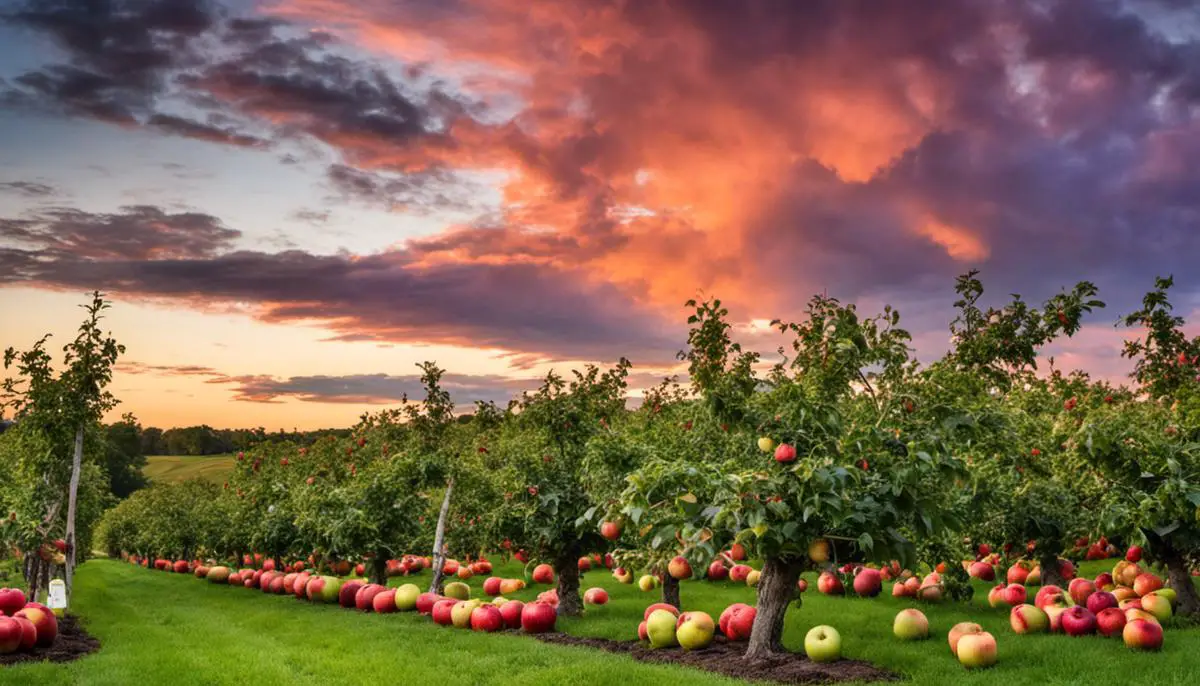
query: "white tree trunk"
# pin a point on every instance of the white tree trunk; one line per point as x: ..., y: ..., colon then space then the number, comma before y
x: 439, y: 541
x: 76, y: 467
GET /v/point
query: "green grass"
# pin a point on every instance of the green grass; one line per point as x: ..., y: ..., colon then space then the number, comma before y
x: 168, y: 468
x: 163, y: 628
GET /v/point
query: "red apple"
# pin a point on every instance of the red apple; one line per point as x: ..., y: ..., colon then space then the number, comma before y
x: 740, y: 622
x: 43, y: 620
x: 1017, y: 574
x: 384, y: 602
x: 982, y: 571
x: 543, y: 574
x: 900, y: 590
x: 1141, y: 634
x: 801, y: 585
x: 1146, y: 583
x: 1110, y: 621
x: 1027, y: 619
x: 1080, y: 589
x: 1104, y: 582
x: 1014, y: 594
x: 660, y: 606
x: 785, y: 453
x: 584, y: 564
x: 679, y: 568
x: 365, y: 598
x: 610, y: 530
x: 595, y: 596
x: 492, y: 585
x: 737, y: 552
x: 739, y: 573
x: 28, y: 634
x: 538, y: 618
x: 348, y: 592
x: 1078, y: 621
x: 867, y: 583
x: 10, y: 635
x: 12, y: 600
x: 1134, y: 554
x: 830, y: 584
x: 441, y: 611
x: 487, y: 618
x: 717, y: 571
x: 1101, y: 601
x: 1047, y: 595
x: 426, y: 601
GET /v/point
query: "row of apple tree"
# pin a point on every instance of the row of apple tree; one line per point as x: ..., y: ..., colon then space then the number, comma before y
x: 844, y: 438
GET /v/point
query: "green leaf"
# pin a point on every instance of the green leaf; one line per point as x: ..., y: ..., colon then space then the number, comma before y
x: 865, y: 542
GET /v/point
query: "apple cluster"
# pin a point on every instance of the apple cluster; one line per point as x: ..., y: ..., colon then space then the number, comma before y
x: 24, y: 625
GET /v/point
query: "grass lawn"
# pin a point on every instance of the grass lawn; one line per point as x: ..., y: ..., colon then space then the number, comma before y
x: 168, y: 468
x: 163, y: 628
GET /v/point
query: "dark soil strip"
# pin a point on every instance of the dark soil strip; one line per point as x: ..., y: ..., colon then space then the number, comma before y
x: 72, y: 643
x: 726, y: 657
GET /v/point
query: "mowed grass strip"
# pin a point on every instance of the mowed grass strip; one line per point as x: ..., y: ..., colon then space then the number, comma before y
x: 166, y: 628
x: 169, y: 468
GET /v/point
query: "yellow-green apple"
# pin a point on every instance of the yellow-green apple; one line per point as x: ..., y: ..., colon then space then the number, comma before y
x: 1028, y: 619
x: 610, y: 530
x: 648, y: 582
x: 977, y: 650
x: 508, y: 586
x: 499, y: 601
x: 818, y: 551
x: 543, y: 574
x: 1080, y: 589
x: 384, y: 602
x: 1055, y: 612
x: 10, y: 635
x: 595, y: 596
x: 43, y: 620
x: 753, y: 577
x: 460, y: 614
x: 538, y: 618
x: 739, y: 573
x: 491, y: 585
x: 1100, y: 601
x: 347, y: 593
x: 623, y: 575
x: 487, y: 618
x: 511, y: 612
x: 406, y: 597
x: 959, y: 630
x: 679, y: 568
x: 829, y: 584
x: 442, y: 610
x: 1078, y: 621
x: 766, y: 445
x: 330, y: 590
x: 1158, y: 606
x: 1035, y: 576
x: 995, y: 596
x: 1168, y: 593
x: 867, y: 583
x: 659, y: 606
x: 1146, y: 583
x: 660, y: 628
x: 910, y: 625
x: 1110, y: 621
x: 823, y: 644
x: 694, y: 630
x: 1143, y: 635
x: 219, y: 575
x: 717, y: 571
x: 457, y: 589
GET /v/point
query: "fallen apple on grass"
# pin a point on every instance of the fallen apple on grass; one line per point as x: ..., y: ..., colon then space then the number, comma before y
x: 977, y: 650
x: 1078, y: 621
x: 823, y: 644
x: 694, y: 630
x: 911, y: 625
x: 1028, y: 619
x: 538, y: 618
x: 1110, y: 621
x: 595, y: 596
x: 1141, y: 634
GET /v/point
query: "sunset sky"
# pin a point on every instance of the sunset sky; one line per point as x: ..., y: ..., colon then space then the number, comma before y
x: 293, y: 202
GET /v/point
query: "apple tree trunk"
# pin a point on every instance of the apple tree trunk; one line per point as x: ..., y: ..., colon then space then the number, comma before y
x: 72, y: 497
x: 670, y: 591
x: 1050, y: 572
x: 379, y: 568
x: 439, y: 541
x: 776, y: 587
x: 1180, y: 580
x: 566, y: 568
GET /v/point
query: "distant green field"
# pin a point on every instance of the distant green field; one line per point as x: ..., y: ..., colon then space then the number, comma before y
x: 168, y: 468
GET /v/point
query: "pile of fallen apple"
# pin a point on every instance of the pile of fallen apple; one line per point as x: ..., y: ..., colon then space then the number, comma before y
x: 24, y: 625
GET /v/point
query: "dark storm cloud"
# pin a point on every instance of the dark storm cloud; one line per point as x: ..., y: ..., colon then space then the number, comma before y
x: 134, y: 233
x: 417, y: 192
x: 188, y: 128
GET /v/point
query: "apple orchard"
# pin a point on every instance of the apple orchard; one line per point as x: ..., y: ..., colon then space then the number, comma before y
x: 846, y: 458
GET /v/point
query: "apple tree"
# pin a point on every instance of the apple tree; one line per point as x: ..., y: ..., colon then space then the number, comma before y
x: 543, y: 449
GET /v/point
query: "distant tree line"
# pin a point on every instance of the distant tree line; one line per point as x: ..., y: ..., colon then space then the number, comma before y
x: 205, y: 440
